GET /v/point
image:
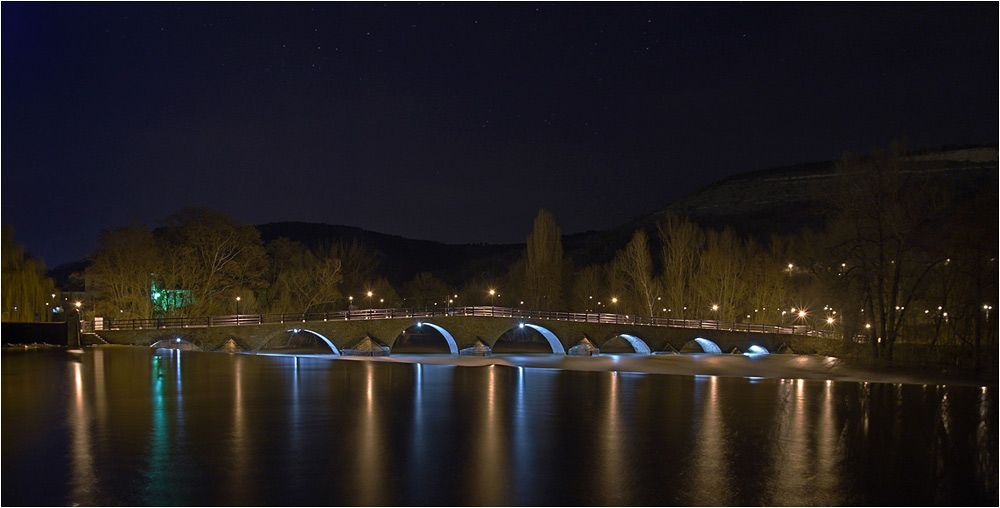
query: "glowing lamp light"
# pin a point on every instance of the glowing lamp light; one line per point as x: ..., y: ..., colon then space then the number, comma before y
x: 493, y: 292
x: 369, y: 294
x: 614, y: 300
x: 78, y: 304
x: 715, y: 307
x: 520, y: 325
x: 829, y: 320
x: 802, y: 313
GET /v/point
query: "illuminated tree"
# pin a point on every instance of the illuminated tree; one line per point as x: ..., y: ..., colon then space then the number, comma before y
x: 720, y: 278
x: 306, y: 282
x: 588, y: 289
x: 425, y: 289
x: 358, y: 265
x: 681, y: 243
x: 635, y: 266
x: 383, y: 294
x: 26, y: 289
x: 543, y: 264
x: 213, y: 256
x: 121, y: 271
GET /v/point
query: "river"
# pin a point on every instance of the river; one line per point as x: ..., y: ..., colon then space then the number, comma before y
x: 138, y: 426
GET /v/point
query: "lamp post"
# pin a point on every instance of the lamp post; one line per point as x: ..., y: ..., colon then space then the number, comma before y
x: 614, y: 300
x: 369, y: 305
x: 237, y: 311
x: 493, y: 299
x: 79, y: 322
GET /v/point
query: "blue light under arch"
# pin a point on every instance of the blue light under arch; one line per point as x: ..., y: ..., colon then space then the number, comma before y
x: 328, y: 343
x: 554, y: 343
x: 452, y: 345
x: 708, y: 346
x: 638, y: 344
x: 757, y: 350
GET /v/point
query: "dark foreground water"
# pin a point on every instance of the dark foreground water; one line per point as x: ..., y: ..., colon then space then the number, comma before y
x: 135, y: 426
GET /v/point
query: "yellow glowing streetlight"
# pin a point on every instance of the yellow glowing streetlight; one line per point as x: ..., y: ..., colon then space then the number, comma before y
x: 715, y: 307
x: 802, y: 314
x: 238, y: 305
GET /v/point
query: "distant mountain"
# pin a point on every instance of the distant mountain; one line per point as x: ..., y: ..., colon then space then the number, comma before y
x: 400, y: 259
x: 775, y: 200
x: 788, y: 199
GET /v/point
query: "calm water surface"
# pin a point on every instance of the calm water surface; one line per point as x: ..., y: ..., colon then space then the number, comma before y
x: 135, y: 426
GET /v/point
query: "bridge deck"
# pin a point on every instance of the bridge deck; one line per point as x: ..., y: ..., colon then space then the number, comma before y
x: 476, y: 311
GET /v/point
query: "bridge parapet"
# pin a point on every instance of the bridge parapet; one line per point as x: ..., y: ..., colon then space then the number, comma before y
x: 473, y: 311
x: 462, y: 328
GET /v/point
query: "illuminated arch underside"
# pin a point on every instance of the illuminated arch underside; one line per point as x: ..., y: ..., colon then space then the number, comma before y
x: 708, y: 346
x: 452, y: 345
x: 328, y: 343
x: 554, y: 343
x: 638, y: 344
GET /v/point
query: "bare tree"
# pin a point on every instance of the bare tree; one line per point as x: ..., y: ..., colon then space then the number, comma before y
x: 720, y: 282
x: 588, y: 289
x: 884, y: 213
x: 543, y: 263
x: 681, y: 243
x: 358, y: 265
x: 121, y: 272
x: 213, y: 256
x: 424, y: 290
x: 635, y: 264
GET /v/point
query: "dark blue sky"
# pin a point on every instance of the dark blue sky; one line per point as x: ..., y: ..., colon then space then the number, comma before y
x: 456, y: 122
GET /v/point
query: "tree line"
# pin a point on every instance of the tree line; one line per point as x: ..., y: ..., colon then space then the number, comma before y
x: 28, y: 295
x: 900, y: 257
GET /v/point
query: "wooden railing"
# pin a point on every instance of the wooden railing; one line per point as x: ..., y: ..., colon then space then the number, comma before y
x: 481, y: 311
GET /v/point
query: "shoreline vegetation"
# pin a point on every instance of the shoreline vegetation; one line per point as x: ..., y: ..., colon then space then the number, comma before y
x: 902, y: 268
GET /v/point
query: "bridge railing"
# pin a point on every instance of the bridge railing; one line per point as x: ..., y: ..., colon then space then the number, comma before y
x: 480, y: 311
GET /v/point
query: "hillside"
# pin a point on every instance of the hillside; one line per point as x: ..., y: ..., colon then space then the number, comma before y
x: 758, y: 203
x: 787, y: 199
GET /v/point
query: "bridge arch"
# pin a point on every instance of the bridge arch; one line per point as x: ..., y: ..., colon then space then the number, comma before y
x: 700, y: 345
x: 175, y: 343
x: 448, y: 337
x: 553, y: 342
x: 327, y: 341
x: 638, y: 345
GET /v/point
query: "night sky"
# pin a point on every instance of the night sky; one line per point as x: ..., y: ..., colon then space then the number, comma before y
x: 456, y: 122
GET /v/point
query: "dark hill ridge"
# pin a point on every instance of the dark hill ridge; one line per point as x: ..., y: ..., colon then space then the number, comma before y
x: 758, y: 203
x: 400, y: 259
x: 787, y: 199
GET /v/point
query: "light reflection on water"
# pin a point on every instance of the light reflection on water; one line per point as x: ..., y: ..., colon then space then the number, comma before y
x: 144, y: 427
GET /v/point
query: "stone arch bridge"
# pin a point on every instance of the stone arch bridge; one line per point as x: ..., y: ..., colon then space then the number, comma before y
x: 464, y: 327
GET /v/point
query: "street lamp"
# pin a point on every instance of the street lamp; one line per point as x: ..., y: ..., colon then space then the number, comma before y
x: 493, y: 299
x: 237, y: 307
x: 614, y: 300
